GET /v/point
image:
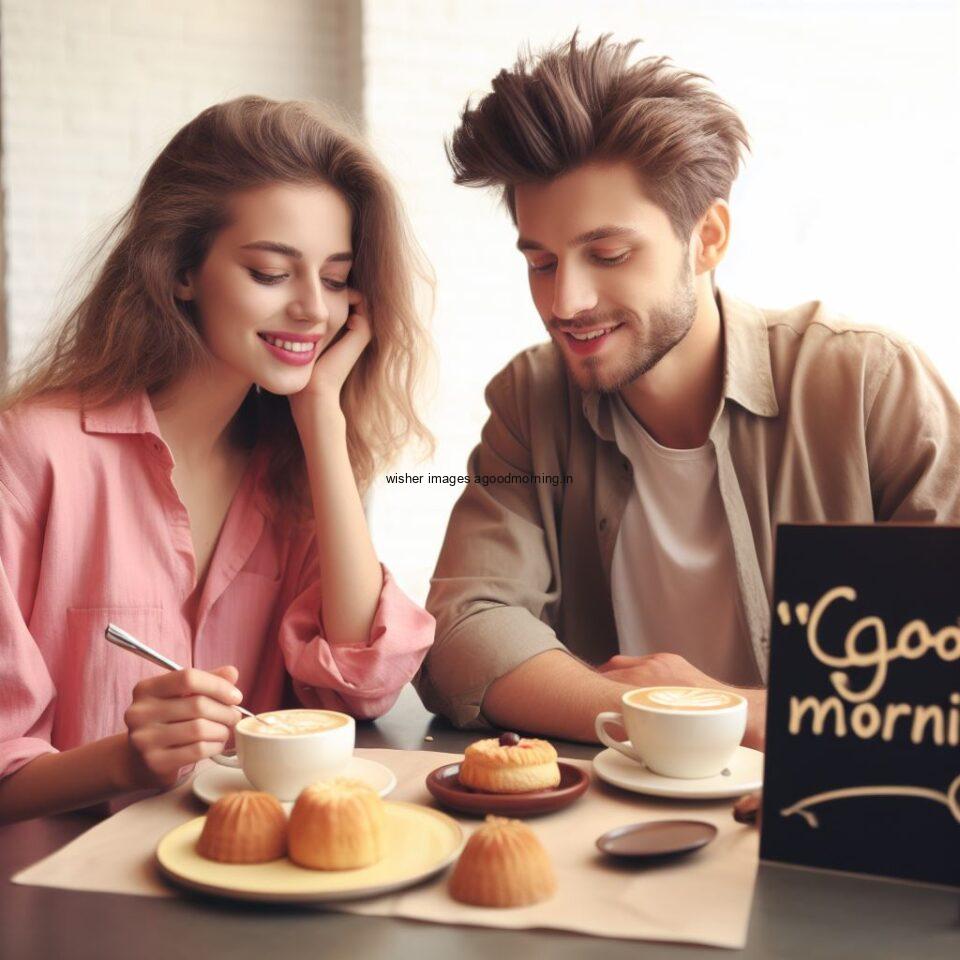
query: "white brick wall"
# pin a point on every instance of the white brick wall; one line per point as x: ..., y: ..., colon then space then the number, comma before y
x: 91, y: 91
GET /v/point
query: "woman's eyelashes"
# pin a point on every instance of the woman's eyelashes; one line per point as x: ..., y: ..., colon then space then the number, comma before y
x: 269, y: 279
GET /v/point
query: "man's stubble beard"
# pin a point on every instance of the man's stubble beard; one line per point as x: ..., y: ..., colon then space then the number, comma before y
x: 667, y: 325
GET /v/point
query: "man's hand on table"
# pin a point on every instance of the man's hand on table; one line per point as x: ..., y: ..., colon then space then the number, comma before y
x: 670, y: 669
x: 556, y: 695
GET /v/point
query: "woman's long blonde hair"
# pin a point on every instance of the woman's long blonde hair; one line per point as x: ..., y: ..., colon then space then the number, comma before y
x: 130, y: 333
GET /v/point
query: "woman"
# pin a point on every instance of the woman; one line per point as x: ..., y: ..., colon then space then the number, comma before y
x: 186, y: 460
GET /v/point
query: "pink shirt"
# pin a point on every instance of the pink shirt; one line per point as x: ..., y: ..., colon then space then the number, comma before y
x: 92, y: 531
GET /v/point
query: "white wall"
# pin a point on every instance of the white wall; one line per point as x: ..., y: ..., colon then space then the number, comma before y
x: 850, y: 194
x: 93, y: 89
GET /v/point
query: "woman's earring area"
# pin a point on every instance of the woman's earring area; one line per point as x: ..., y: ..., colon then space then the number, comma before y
x: 183, y: 288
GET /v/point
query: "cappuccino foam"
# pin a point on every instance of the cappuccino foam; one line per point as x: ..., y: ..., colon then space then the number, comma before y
x: 292, y: 723
x: 683, y: 699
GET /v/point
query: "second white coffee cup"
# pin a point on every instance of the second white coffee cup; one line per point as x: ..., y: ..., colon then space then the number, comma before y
x: 282, y: 762
x: 684, y: 732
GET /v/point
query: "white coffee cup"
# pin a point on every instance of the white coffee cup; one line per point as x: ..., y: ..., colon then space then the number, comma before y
x: 684, y: 732
x: 283, y: 751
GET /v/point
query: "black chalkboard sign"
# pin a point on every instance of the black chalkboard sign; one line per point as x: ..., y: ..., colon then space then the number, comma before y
x: 862, y: 769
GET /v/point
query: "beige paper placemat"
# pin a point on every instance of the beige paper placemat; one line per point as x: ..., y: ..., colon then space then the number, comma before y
x: 704, y: 898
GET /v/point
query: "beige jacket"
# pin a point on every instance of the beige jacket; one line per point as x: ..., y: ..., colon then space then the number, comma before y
x: 821, y: 420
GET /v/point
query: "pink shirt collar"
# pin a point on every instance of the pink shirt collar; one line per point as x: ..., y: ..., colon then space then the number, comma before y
x: 133, y: 415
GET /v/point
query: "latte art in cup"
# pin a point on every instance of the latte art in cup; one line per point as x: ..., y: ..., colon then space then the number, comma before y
x: 292, y: 723
x: 283, y: 751
x: 683, y: 698
x: 683, y: 732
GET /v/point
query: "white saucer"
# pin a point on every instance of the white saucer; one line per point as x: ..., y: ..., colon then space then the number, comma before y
x: 745, y: 775
x: 213, y: 781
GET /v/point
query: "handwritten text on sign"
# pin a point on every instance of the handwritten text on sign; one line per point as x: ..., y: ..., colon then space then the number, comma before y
x: 862, y: 762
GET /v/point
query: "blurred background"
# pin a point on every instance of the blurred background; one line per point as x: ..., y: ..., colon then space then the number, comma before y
x: 850, y: 194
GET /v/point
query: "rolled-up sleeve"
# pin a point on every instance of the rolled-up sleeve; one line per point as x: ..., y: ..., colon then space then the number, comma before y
x: 362, y: 679
x: 27, y: 693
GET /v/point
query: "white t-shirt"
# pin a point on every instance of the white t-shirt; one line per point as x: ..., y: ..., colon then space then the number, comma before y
x: 673, y: 577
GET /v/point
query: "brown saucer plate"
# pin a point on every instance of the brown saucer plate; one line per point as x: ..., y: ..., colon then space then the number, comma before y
x: 657, y: 838
x: 444, y: 784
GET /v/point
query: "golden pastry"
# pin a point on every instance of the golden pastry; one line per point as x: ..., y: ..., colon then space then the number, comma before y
x: 511, y: 764
x: 244, y: 827
x: 338, y: 825
x: 503, y: 865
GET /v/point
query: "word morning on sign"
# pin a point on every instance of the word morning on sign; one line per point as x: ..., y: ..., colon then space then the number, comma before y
x: 867, y: 646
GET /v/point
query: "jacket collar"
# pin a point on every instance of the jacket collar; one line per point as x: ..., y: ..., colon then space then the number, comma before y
x: 747, y: 370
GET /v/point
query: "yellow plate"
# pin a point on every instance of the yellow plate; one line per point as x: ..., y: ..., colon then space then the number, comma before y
x: 420, y: 843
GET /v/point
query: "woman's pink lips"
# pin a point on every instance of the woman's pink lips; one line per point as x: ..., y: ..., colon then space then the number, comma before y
x: 296, y: 359
x: 293, y: 337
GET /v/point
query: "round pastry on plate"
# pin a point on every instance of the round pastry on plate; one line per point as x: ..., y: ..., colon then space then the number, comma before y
x: 510, y: 764
x: 338, y: 825
x: 503, y: 865
x: 244, y: 827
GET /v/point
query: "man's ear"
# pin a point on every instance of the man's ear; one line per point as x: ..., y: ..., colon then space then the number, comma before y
x: 183, y: 286
x: 711, y: 237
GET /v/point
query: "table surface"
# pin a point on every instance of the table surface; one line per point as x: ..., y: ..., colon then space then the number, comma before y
x: 796, y: 913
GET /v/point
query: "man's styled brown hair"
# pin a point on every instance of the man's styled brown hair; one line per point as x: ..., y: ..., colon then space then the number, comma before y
x: 571, y: 105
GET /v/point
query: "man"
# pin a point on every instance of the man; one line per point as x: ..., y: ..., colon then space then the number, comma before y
x: 690, y: 424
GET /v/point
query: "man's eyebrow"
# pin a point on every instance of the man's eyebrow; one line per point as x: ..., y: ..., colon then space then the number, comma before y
x: 524, y: 244
x: 607, y: 232
x: 287, y: 251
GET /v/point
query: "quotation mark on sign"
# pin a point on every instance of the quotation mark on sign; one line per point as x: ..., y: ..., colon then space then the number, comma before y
x: 802, y: 611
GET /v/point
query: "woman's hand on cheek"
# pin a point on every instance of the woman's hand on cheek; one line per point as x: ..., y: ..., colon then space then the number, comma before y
x: 330, y: 370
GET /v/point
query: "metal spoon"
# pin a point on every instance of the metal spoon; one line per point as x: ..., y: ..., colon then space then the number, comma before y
x: 127, y: 641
